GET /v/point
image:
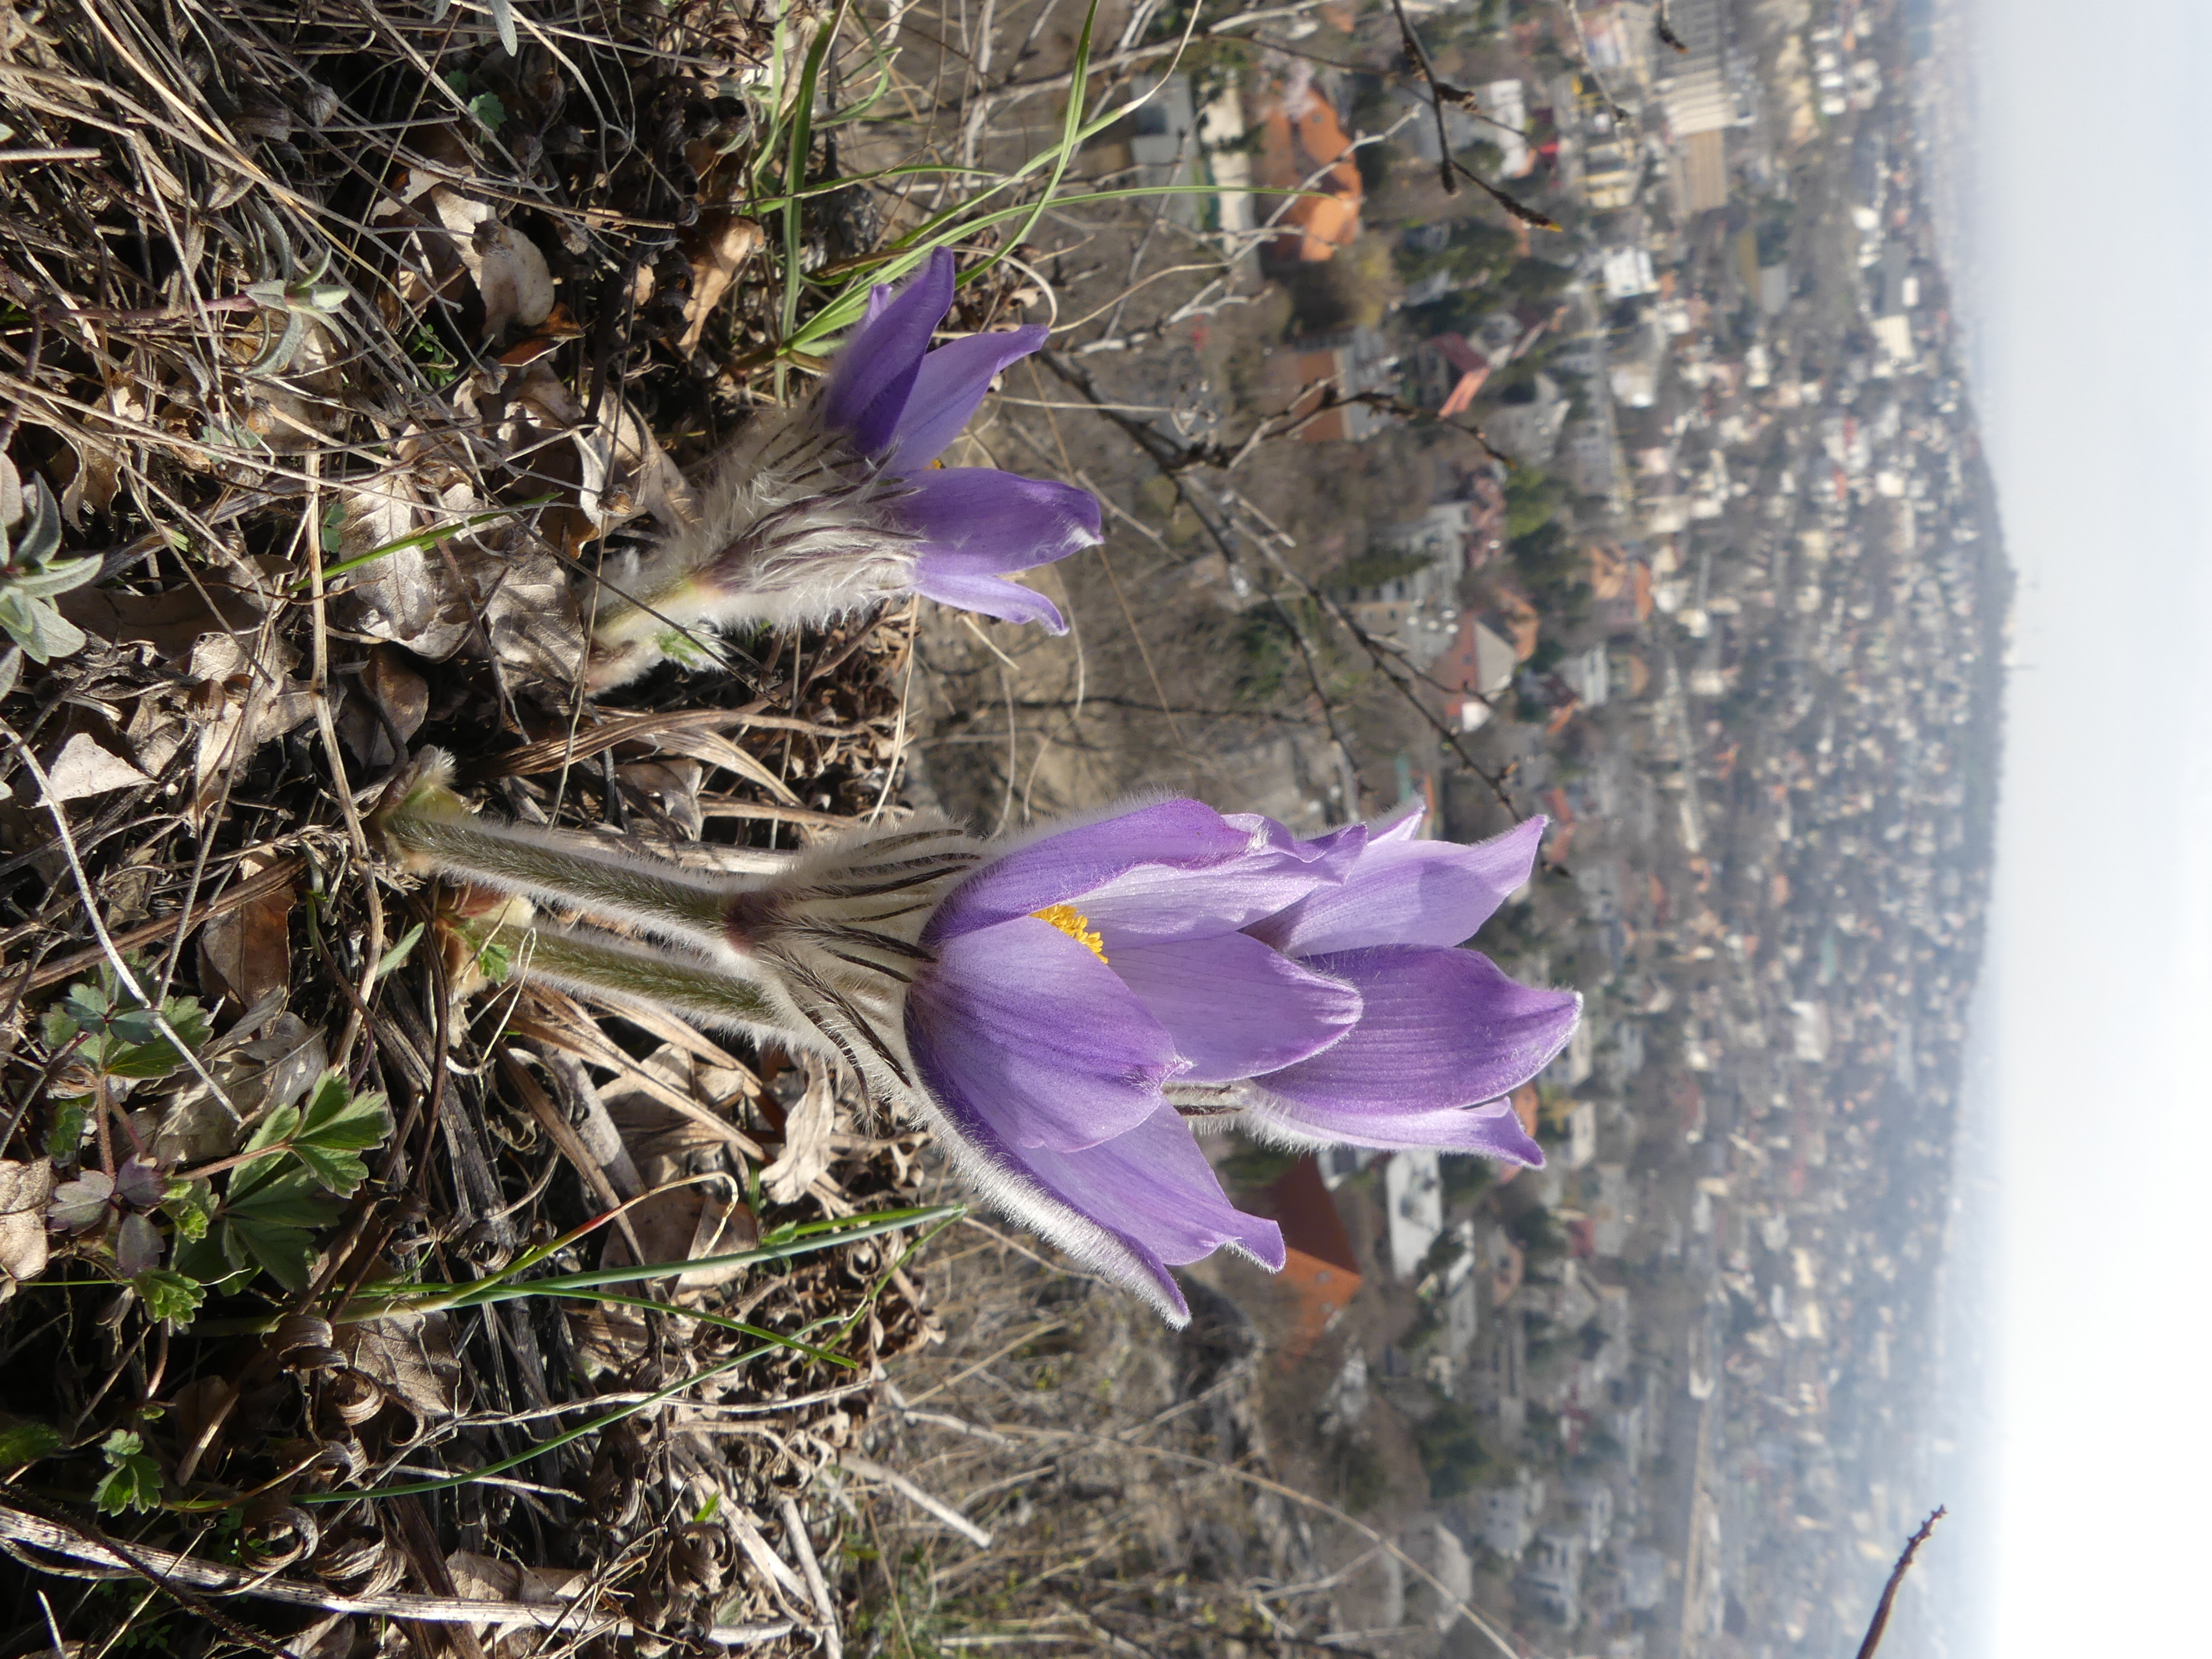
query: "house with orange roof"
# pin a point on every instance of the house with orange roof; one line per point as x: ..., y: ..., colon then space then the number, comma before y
x: 1304, y: 147
x: 1319, y: 1268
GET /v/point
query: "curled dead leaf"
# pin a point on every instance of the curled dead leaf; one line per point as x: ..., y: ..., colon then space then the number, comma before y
x: 718, y: 248
x: 26, y: 1189
x: 84, y: 769
x: 511, y: 276
x: 810, y: 1121
x: 246, y: 953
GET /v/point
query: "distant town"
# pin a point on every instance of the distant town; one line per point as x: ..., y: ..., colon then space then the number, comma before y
x: 1725, y: 598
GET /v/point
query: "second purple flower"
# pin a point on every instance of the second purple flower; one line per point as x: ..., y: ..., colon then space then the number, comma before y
x: 836, y: 504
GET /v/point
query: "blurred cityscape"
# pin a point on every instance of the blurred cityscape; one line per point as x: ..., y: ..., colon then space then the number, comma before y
x: 1734, y: 617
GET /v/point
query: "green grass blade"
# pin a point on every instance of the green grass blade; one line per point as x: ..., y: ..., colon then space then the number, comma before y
x: 804, y: 1241
x: 514, y: 1460
x: 722, y: 1321
x: 794, y: 169
x: 429, y: 538
x: 1070, y: 138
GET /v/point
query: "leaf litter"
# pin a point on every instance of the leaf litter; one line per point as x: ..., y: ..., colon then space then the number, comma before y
x: 350, y: 343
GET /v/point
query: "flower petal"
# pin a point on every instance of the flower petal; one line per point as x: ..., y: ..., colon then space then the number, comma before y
x: 1032, y: 1030
x: 1173, y: 839
x: 1148, y: 904
x: 1132, y: 1207
x: 1234, y: 1007
x: 1000, y: 521
x: 950, y: 386
x: 940, y: 576
x: 1404, y: 824
x: 1490, y: 1130
x: 1410, y: 892
x: 1439, y: 1029
x: 868, y: 388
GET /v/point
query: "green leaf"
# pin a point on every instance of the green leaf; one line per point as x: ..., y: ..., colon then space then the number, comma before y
x: 25, y: 1441
x: 486, y: 109
x: 134, y: 1481
x: 336, y: 1117
x: 408, y: 941
x: 277, y: 1195
x: 124, y: 1039
x: 341, y: 1172
x: 209, y: 1260
x: 71, y: 1119
x: 189, y: 1204
x: 83, y: 1204
x: 495, y: 961
x: 40, y: 536
x: 270, y: 1217
x: 285, y: 1252
x: 169, y: 1297
x: 275, y: 1130
x: 60, y: 577
x: 330, y: 1133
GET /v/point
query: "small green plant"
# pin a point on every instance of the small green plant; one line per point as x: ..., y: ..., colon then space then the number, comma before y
x: 133, y: 1480
x: 120, y: 1038
x: 285, y: 1183
x: 297, y: 1161
x: 308, y: 299
x: 31, y: 577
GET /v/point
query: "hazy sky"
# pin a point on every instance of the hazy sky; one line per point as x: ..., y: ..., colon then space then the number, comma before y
x: 2094, y: 257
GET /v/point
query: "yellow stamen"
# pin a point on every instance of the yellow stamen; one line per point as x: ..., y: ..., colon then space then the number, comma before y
x: 1076, y: 925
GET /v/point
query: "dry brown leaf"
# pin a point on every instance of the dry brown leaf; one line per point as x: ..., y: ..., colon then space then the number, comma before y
x: 411, y: 1356
x: 25, y: 1191
x: 487, y: 1579
x: 808, y: 1126
x: 686, y: 1223
x: 718, y: 248
x: 403, y: 596
x: 401, y: 700
x: 626, y: 473
x: 531, y: 613
x: 511, y: 276
x: 714, y: 749
x: 169, y: 622
x: 664, y: 1222
x: 84, y: 769
x: 672, y: 790
x: 247, y: 952
x: 241, y: 700
x: 257, y: 1076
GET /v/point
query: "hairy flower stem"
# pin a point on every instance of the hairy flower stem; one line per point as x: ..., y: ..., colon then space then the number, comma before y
x: 600, y: 965
x: 684, y: 906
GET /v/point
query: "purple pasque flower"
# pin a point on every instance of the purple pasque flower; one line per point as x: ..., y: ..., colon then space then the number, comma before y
x: 1095, y: 990
x: 1061, y: 1009
x: 837, y: 503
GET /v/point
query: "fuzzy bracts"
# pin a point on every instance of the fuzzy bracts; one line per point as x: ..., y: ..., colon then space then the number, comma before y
x: 834, y: 505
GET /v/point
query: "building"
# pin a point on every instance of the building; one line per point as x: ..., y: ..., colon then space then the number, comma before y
x: 1477, y: 666
x: 1447, y: 371
x: 1504, y: 1517
x: 1626, y: 272
x: 1320, y: 1267
x: 1414, y: 1196
x: 1342, y: 364
x: 1591, y: 460
x: 1528, y: 428
x: 1550, y: 1576
x: 1304, y: 147
x: 1643, y: 1572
